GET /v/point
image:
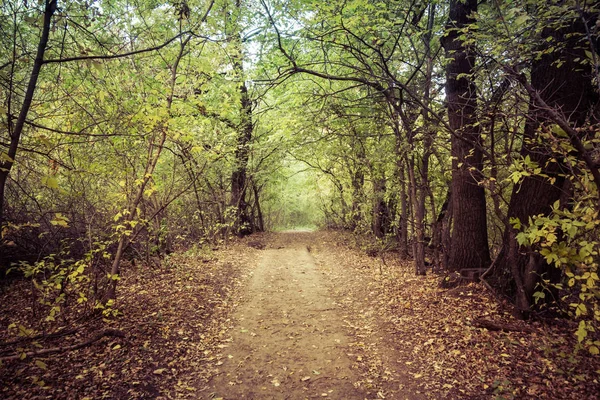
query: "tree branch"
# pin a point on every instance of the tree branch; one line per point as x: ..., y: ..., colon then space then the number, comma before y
x: 115, y: 56
x: 44, y: 352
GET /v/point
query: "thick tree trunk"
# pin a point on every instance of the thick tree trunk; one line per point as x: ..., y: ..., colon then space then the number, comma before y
x: 569, y: 91
x: 243, y: 224
x: 469, y: 233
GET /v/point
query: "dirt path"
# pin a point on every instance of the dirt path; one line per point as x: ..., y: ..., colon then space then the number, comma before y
x: 290, y: 339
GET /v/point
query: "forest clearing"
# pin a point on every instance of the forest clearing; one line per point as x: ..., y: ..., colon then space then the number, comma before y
x: 436, y: 163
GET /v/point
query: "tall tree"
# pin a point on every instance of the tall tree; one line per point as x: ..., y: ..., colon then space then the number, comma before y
x: 561, y: 94
x: 239, y: 177
x: 469, y: 248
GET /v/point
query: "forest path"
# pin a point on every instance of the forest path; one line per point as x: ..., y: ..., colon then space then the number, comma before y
x: 291, y: 337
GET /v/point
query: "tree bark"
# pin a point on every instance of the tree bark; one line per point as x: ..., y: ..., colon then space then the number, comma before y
x: 381, y: 212
x: 564, y: 90
x: 239, y: 178
x: 243, y: 224
x: 439, y: 249
x: 469, y: 233
x: 403, y: 220
x: 419, y: 212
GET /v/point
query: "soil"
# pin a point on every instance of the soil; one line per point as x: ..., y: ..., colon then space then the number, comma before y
x: 291, y: 339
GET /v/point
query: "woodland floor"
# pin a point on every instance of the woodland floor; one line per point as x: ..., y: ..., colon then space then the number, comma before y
x: 308, y: 316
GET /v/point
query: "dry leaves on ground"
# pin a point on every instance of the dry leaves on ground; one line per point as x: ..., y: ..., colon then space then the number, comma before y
x: 439, y: 341
x: 171, y: 317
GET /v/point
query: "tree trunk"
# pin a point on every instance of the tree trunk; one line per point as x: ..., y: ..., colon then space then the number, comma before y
x: 243, y: 224
x: 380, y: 207
x: 403, y: 220
x: 154, y: 152
x: 260, y: 223
x: 439, y: 250
x: 419, y: 214
x: 469, y: 233
x: 401, y: 172
x: 239, y: 179
x: 568, y: 90
x: 358, y: 183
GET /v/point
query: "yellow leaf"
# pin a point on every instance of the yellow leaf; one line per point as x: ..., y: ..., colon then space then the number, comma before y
x: 60, y: 220
x: 41, y: 364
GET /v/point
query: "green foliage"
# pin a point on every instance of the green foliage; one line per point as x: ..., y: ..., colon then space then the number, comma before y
x: 567, y: 239
x: 59, y: 284
x: 292, y: 201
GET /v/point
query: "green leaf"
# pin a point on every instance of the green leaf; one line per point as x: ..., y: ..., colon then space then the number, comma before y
x: 589, y: 55
x: 558, y: 131
x: 522, y: 238
x: 515, y: 222
x: 521, y: 19
x: 516, y: 176
x: 50, y: 181
x: 539, y: 295
x: 4, y: 157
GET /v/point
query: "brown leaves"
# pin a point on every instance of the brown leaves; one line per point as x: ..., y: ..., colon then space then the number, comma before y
x: 172, y: 317
x: 458, y: 343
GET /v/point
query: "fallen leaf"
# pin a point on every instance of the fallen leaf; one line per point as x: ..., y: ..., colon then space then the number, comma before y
x: 41, y: 364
